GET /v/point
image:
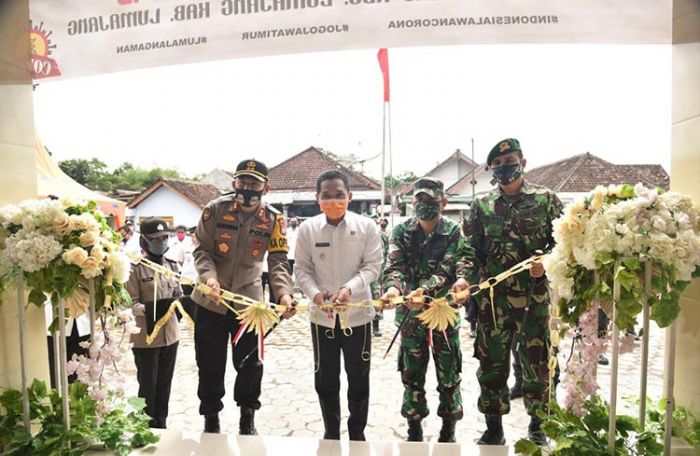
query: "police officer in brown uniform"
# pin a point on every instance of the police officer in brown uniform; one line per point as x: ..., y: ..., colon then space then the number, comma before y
x: 234, y: 233
x: 155, y: 363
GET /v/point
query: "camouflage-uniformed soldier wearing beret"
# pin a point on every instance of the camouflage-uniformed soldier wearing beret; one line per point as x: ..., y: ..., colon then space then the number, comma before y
x: 508, y: 225
x: 233, y: 235
x: 426, y: 252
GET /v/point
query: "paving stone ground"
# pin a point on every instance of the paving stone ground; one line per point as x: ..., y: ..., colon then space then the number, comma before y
x: 290, y: 405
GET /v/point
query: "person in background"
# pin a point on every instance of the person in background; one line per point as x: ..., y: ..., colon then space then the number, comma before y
x: 179, y: 245
x: 155, y: 363
x: 130, y: 240
x: 377, y: 285
x: 292, y: 232
x: 266, y: 281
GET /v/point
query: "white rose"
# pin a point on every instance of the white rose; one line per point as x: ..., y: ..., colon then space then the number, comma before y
x: 62, y: 223
x: 91, y: 268
x: 78, y: 222
x: 89, y: 238
x: 75, y: 256
x: 98, y: 254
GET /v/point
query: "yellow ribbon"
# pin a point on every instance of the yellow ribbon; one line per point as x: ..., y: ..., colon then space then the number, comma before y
x: 256, y: 322
x: 164, y: 320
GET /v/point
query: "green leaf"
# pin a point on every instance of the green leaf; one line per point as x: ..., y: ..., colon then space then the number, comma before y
x: 36, y: 297
x: 628, y: 280
x: 632, y: 263
x: 137, y: 403
x: 606, y: 258
x: 528, y: 448
x: 665, y: 311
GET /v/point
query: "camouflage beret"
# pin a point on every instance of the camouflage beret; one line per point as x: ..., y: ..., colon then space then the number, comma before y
x: 430, y: 186
x: 503, y: 147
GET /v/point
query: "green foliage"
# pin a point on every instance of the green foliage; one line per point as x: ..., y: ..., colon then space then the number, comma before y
x: 571, y: 435
x: 391, y: 182
x: 91, y: 173
x: 120, y: 430
x: 94, y: 174
x: 663, y: 298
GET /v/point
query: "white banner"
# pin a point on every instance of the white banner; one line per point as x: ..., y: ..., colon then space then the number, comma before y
x: 82, y: 37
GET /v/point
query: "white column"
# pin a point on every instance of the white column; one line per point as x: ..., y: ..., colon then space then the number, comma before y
x: 17, y: 182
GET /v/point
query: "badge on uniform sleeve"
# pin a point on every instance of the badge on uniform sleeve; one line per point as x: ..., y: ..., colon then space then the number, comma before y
x: 278, y: 238
x: 206, y: 214
x: 223, y: 247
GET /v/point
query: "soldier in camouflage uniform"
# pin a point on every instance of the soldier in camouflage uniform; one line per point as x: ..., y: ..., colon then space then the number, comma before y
x: 426, y: 253
x: 510, y: 224
x: 376, y: 286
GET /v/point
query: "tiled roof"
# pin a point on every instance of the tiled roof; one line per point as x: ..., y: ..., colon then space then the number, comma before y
x: 197, y: 192
x: 582, y: 173
x: 301, y: 171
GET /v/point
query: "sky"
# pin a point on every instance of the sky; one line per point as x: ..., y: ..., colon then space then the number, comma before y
x: 558, y: 100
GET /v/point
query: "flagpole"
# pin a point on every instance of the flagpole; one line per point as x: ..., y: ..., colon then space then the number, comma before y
x: 391, y: 162
x: 383, y: 57
x: 381, y: 210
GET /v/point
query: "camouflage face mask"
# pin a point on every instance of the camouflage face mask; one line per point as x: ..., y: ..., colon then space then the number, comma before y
x: 427, y: 210
x: 505, y: 174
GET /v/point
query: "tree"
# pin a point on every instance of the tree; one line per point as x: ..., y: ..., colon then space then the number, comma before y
x: 90, y: 173
x: 94, y: 175
x: 391, y: 182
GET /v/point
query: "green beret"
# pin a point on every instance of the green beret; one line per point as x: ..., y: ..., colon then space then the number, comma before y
x: 503, y: 147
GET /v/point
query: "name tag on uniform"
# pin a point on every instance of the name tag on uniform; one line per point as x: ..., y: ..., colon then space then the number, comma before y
x: 323, y: 244
x: 147, y: 279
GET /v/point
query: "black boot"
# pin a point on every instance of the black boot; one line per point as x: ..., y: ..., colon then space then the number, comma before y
x: 534, y: 433
x: 415, y: 431
x: 603, y: 360
x: 516, y: 391
x: 494, y: 431
x: 330, y: 411
x: 376, y: 332
x: 211, y: 423
x: 246, y: 426
x: 447, y: 433
x: 358, y: 419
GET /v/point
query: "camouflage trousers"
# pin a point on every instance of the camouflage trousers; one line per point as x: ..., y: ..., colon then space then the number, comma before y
x: 413, y: 365
x: 492, y: 347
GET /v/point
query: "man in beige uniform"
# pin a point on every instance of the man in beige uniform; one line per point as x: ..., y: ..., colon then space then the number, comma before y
x: 155, y: 363
x: 234, y: 233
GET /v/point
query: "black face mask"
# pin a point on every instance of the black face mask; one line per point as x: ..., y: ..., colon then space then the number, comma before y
x: 248, y: 198
x: 506, y: 174
x: 154, y: 248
